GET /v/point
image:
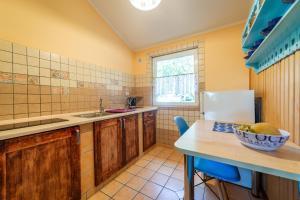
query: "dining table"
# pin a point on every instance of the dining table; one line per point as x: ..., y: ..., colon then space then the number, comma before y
x: 201, y: 141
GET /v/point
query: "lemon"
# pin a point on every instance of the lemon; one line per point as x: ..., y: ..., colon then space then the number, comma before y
x: 264, y: 128
x: 244, y: 127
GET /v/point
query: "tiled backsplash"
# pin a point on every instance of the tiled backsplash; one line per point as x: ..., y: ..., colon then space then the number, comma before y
x: 166, y: 129
x: 35, y: 83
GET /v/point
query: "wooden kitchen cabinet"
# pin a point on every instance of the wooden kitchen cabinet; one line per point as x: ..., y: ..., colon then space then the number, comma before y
x: 130, y: 138
x: 149, y: 129
x: 41, y: 166
x: 107, y: 148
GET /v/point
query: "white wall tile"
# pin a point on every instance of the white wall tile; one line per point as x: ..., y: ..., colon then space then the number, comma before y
x: 44, y: 64
x: 44, y: 81
x: 33, y: 52
x: 55, y: 65
x: 5, y: 67
x: 55, y: 82
x: 19, y: 69
x: 44, y: 55
x: 35, y: 71
x: 5, y: 56
x: 19, y: 49
x: 32, y: 61
x: 55, y: 57
x: 5, y: 45
x: 19, y: 59
x: 44, y: 72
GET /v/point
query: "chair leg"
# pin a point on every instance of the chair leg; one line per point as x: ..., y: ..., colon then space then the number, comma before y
x: 222, y: 190
x: 204, y: 181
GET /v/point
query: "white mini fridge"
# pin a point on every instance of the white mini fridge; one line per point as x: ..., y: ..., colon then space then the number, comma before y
x: 232, y: 106
x: 229, y: 106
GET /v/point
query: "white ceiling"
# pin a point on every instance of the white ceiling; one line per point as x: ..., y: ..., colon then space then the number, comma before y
x: 171, y: 19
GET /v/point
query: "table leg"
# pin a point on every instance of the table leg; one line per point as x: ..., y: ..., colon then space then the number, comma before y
x: 188, y: 177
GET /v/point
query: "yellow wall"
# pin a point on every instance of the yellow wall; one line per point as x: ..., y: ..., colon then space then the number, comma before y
x: 224, y: 63
x: 69, y: 27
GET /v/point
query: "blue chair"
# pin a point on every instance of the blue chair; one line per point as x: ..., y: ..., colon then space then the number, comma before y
x: 217, y: 170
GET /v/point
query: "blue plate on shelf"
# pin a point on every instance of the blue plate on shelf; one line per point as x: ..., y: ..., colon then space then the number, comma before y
x: 256, y: 44
x: 271, y: 25
x: 265, y: 32
x: 249, y: 54
x: 274, y: 21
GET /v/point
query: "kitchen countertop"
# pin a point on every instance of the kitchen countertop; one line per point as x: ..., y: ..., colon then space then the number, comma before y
x: 72, y: 121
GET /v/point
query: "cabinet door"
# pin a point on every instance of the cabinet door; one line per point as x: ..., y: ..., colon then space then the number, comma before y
x: 107, y: 149
x: 41, y: 166
x: 130, y: 138
x: 149, y: 129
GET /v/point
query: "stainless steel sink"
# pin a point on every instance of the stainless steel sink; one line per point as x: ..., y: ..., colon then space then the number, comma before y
x: 91, y: 115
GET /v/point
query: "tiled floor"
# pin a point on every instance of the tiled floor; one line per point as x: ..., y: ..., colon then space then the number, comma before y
x: 156, y: 175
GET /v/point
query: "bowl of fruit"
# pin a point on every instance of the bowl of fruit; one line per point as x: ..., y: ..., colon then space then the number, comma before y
x: 261, y: 136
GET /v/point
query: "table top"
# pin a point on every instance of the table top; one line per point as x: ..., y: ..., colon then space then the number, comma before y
x: 201, y: 141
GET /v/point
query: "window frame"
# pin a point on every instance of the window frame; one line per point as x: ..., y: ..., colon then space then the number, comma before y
x: 155, y: 59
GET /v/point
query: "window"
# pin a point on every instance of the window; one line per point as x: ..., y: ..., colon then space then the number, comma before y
x: 175, y: 79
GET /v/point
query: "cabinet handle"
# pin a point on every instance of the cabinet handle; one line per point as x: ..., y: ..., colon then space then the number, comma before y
x: 77, y: 133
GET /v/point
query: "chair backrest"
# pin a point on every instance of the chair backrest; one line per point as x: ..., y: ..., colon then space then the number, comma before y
x: 229, y: 106
x: 181, y: 125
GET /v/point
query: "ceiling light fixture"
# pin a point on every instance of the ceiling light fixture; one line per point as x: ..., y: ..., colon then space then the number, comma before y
x: 145, y: 5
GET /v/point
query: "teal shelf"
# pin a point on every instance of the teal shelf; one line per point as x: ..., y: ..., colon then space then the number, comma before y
x: 282, y: 41
x: 269, y: 10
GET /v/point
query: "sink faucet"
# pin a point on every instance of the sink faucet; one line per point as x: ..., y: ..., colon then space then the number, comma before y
x: 101, y: 108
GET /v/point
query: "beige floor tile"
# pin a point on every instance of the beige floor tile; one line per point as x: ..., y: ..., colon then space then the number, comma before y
x: 199, y: 194
x: 153, y: 166
x: 175, y: 184
x: 159, y: 179
x: 140, y: 196
x: 180, y: 194
x: 163, y: 155
x: 179, y: 174
x: 124, y: 177
x: 125, y: 193
x: 148, y: 157
x: 170, y: 163
x: 99, y: 196
x: 134, y: 169
x: 168, y: 151
x: 112, y: 188
x: 176, y: 156
x: 167, y: 195
x: 146, y: 173
x: 136, y: 183
x: 180, y: 166
x: 151, y: 190
x: 158, y: 160
x: 165, y: 170
x: 142, y: 163
x: 154, y: 152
